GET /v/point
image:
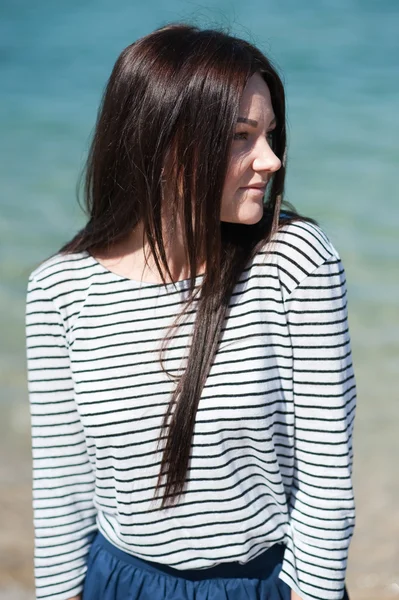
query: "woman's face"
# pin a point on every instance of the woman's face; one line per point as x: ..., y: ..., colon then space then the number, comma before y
x: 252, y: 161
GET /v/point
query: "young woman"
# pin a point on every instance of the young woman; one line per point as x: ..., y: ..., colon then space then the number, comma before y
x: 190, y: 376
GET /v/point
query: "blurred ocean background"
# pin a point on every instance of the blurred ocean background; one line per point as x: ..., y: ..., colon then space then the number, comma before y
x: 339, y: 60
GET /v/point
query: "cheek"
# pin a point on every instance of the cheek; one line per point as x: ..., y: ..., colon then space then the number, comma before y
x: 231, y: 193
x: 234, y: 175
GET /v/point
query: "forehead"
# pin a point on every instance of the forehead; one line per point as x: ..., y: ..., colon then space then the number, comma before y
x: 256, y: 98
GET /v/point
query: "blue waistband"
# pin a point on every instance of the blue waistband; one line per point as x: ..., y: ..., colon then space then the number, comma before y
x: 260, y: 567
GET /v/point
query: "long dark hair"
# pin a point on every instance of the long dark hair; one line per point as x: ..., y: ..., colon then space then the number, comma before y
x: 169, y: 110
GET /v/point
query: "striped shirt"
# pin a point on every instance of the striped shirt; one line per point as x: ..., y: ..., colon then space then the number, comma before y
x: 271, y: 456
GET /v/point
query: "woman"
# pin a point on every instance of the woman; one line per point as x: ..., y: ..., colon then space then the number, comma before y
x: 190, y: 377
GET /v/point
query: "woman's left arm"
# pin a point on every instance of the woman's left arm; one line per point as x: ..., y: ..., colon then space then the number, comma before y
x: 322, y: 510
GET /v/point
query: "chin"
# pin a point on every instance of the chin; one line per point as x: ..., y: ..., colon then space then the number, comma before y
x: 247, y: 215
x: 244, y: 221
x: 250, y: 221
x: 251, y: 217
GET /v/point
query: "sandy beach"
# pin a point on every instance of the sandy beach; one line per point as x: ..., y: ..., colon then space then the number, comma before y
x: 16, y: 528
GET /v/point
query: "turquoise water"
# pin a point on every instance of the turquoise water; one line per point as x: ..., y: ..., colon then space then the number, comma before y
x: 339, y: 60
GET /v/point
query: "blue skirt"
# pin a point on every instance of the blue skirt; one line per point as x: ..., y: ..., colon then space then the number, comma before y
x: 116, y: 575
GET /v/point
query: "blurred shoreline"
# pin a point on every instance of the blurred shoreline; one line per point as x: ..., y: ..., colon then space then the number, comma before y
x: 16, y: 523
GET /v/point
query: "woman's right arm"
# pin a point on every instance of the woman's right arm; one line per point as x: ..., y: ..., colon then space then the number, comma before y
x: 63, y: 480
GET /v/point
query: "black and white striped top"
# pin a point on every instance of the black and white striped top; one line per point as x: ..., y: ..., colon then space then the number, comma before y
x: 271, y: 456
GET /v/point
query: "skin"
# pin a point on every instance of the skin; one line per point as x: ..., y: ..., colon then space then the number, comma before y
x: 251, y: 162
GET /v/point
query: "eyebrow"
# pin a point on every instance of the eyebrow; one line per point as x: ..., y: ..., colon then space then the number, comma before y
x: 252, y: 122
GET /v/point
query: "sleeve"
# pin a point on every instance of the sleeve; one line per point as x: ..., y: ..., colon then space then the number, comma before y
x: 321, y: 506
x: 63, y: 480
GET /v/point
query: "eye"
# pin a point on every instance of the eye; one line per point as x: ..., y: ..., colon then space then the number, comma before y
x: 241, y: 135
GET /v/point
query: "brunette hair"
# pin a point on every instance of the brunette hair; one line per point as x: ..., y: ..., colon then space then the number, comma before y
x: 169, y: 110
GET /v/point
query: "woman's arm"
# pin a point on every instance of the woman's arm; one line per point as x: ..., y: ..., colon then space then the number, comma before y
x: 294, y: 596
x: 63, y: 480
x: 321, y: 506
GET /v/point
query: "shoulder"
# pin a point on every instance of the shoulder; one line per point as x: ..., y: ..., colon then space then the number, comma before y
x: 60, y: 272
x: 298, y: 249
x: 305, y: 243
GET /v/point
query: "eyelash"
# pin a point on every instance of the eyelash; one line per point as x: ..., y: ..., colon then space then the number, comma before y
x: 245, y: 133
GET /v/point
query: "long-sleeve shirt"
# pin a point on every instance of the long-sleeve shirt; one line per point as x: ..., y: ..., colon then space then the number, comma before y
x: 271, y: 454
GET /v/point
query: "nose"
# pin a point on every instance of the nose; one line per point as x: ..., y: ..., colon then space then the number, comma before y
x: 264, y: 158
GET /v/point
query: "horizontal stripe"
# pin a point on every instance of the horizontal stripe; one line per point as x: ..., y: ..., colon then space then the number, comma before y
x: 271, y: 456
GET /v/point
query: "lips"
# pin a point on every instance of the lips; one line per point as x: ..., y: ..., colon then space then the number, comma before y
x: 259, y: 186
x: 255, y: 187
x: 255, y: 190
